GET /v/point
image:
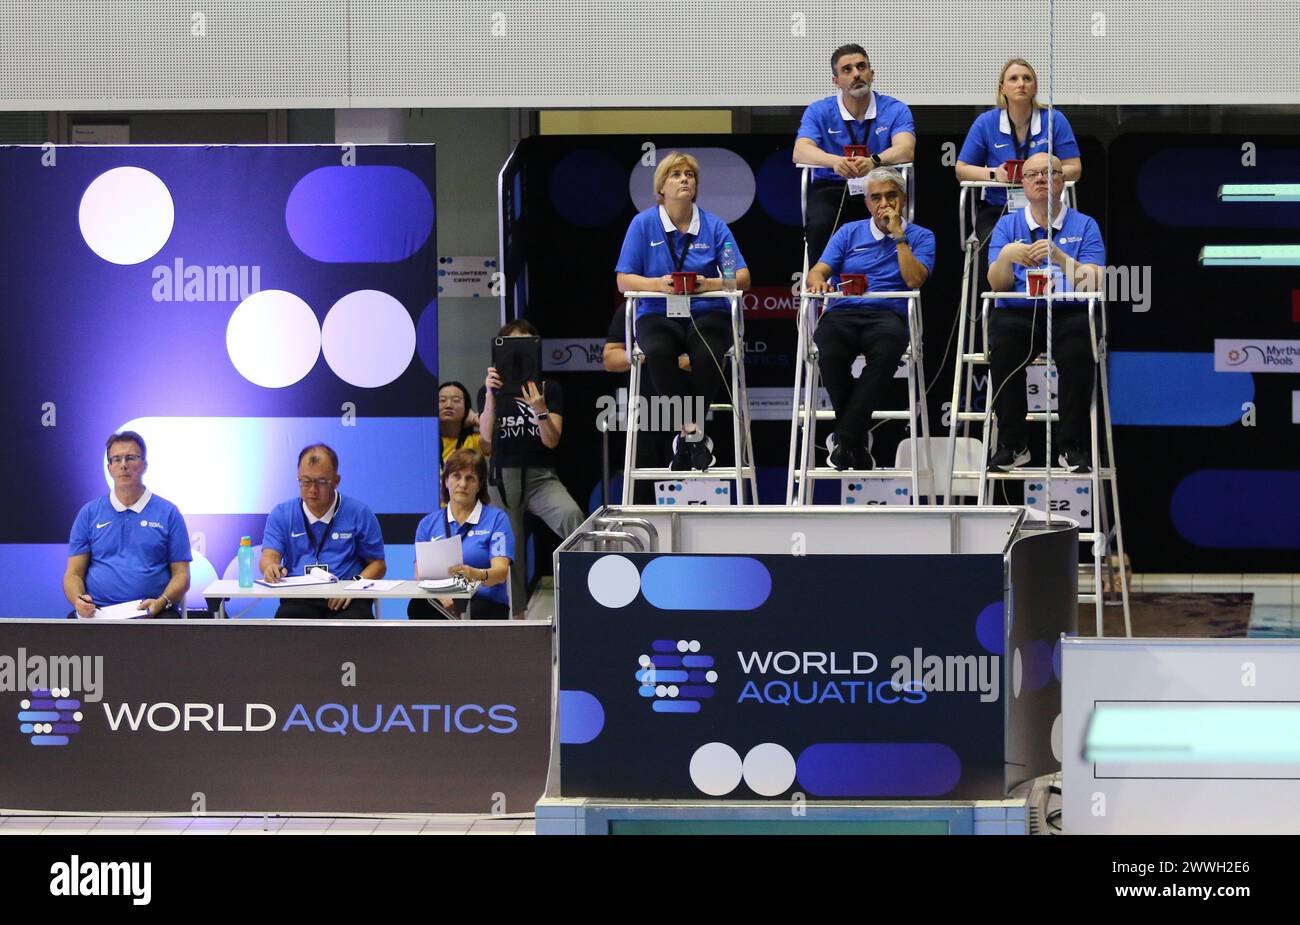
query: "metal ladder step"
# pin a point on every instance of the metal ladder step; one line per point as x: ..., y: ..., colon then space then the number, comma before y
x: 825, y: 472
x: 673, y: 475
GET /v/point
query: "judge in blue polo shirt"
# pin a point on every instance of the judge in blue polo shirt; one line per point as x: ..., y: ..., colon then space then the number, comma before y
x: 856, y: 115
x: 130, y: 544
x: 1015, y: 130
x: 325, y: 528
x: 486, y: 541
x: 1017, y: 328
x: 677, y: 235
x: 894, y: 256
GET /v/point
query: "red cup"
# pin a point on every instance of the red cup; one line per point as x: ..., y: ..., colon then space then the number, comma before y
x: 853, y: 283
x: 1014, y: 170
x: 1037, y: 280
x: 855, y: 151
x: 684, y: 283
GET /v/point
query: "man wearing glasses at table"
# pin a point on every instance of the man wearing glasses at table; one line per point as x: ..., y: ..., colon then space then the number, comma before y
x: 324, y: 528
x: 130, y: 544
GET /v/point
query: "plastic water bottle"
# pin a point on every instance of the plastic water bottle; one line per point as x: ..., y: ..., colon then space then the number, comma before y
x: 728, y: 266
x: 246, y: 562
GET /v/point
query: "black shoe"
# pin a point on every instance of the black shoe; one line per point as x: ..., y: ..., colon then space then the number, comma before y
x: 862, y: 459
x: 1075, y: 459
x: 701, y: 452
x: 840, y: 457
x: 1006, y: 459
x: 681, y: 461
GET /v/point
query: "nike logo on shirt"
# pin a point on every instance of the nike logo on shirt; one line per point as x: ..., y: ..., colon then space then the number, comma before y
x: 296, y: 535
x: 832, y: 131
x: 103, y: 525
x: 999, y: 146
x: 655, y: 243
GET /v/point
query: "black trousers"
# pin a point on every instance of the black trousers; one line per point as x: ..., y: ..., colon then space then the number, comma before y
x: 480, y: 608
x: 826, y: 200
x: 305, y: 609
x: 1010, y: 347
x: 664, y: 339
x: 843, y: 334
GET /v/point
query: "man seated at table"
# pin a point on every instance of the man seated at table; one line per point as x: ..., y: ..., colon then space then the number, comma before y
x: 894, y: 256
x: 130, y: 544
x: 322, y: 528
x: 1018, y: 328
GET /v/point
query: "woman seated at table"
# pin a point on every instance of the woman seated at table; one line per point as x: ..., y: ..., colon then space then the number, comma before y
x: 1013, y: 131
x: 677, y: 235
x: 487, y: 543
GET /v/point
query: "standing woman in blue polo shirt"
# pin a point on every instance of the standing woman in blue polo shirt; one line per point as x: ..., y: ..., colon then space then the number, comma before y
x: 1015, y: 130
x: 487, y: 543
x: 894, y: 256
x: 677, y: 235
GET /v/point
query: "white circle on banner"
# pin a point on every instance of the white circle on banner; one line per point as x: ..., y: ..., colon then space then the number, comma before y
x: 682, y: 645
x: 368, y: 338
x: 716, y: 769
x: 614, y: 581
x: 769, y: 769
x: 78, y: 716
x: 273, y: 338
x: 726, y: 189
x: 711, y: 676
x: 1058, y: 738
x: 694, y: 645
x: 126, y: 215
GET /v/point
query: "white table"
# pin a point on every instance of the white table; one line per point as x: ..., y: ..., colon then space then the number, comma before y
x: 229, y: 587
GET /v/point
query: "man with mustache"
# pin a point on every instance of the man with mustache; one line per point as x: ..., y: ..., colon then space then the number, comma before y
x: 856, y: 115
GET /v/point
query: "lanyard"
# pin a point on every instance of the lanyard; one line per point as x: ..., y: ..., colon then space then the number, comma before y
x: 463, y: 531
x: 317, y: 547
x: 849, y: 124
x: 679, y: 261
x: 1022, y: 152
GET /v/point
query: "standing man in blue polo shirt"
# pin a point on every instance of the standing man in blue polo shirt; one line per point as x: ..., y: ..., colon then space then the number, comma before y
x: 894, y: 256
x: 322, y: 528
x: 1017, y: 328
x: 129, y: 545
x: 856, y: 115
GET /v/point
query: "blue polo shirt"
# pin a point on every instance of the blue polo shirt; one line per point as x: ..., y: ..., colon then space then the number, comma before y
x: 349, y: 539
x: 486, y: 533
x: 131, y: 548
x: 653, y: 246
x: 861, y: 247
x: 991, y: 141
x: 828, y: 125
x: 1077, y: 234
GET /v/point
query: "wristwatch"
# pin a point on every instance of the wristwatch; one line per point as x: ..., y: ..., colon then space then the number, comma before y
x: 543, y: 415
x: 993, y: 174
x: 167, y: 602
x: 875, y: 159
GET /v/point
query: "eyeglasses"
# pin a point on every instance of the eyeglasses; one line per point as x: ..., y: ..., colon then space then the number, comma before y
x: 322, y: 484
x: 130, y: 459
x: 1035, y: 174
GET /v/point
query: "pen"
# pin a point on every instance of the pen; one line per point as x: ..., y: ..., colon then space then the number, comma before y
x: 365, y: 585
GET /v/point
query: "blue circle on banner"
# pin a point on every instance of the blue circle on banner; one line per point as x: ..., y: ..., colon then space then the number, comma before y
x: 426, y: 337
x: 588, y: 188
x: 778, y: 188
x: 989, y: 627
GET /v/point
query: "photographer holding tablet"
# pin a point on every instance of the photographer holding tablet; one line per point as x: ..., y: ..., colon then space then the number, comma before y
x: 520, y: 425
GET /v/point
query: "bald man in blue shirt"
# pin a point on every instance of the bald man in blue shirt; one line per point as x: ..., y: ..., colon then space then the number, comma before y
x: 856, y: 115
